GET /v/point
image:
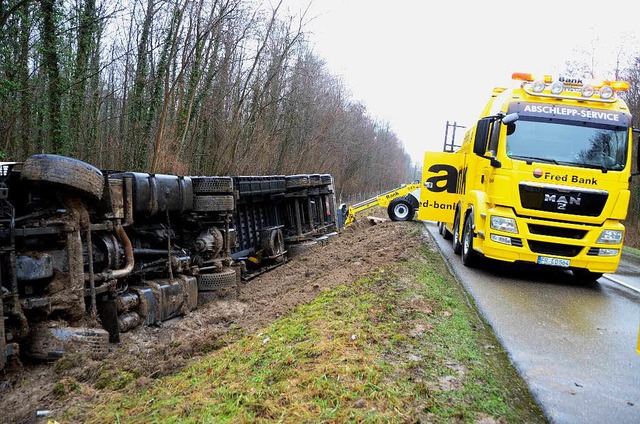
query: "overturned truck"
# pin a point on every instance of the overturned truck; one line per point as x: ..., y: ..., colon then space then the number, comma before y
x: 86, y: 255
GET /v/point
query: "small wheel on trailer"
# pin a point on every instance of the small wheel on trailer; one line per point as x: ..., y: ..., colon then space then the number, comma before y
x: 400, y: 210
x: 65, y: 172
x: 272, y: 241
x: 470, y: 257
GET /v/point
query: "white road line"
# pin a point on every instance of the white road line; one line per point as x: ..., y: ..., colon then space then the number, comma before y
x: 622, y: 283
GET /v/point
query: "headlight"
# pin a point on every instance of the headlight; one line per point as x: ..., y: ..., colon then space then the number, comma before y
x: 557, y: 87
x: 500, y: 223
x: 610, y: 237
x: 608, y: 252
x: 588, y: 90
x: 606, y: 92
x: 538, y: 86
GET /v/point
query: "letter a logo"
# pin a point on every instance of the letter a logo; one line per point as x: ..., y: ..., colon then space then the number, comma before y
x: 447, y: 179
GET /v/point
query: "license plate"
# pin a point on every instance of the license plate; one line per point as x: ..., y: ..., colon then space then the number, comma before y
x: 545, y: 260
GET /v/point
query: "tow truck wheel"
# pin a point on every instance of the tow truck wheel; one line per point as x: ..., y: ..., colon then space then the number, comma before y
x: 457, y: 246
x: 585, y: 276
x: 470, y: 257
x: 442, y: 229
x: 400, y: 210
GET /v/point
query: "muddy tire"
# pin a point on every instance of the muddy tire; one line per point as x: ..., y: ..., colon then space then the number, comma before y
x: 220, y: 203
x: 315, y: 180
x: 217, y: 280
x: 52, y: 342
x: 295, y: 181
x: 400, y: 210
x: 273, y: 243
x: 54, y: 170
x: 212, y: 185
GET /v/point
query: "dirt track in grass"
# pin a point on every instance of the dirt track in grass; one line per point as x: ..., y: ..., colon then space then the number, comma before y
x: 151, y: 352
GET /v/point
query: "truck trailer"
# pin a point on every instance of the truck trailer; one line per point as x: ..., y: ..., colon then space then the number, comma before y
x: 88, y: 254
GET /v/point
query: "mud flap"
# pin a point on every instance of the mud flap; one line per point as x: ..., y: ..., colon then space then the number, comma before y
x: 440, y: 186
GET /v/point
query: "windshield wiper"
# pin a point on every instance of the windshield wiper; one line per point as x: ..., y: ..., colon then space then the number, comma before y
x: 603, y: 168
x: 531, y: 159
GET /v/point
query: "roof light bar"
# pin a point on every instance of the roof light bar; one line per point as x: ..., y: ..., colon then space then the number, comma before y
x: 605, y: 90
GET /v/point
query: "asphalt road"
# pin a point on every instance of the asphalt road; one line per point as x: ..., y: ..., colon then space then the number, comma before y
x: 574, y: 344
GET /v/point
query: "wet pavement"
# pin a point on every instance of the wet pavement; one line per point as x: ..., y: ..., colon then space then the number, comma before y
x: 574, y: 344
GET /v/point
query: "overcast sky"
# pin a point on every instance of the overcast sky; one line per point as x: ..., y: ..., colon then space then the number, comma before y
x: 418, y: 64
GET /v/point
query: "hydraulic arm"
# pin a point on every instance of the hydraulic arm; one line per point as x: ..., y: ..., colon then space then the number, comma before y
x: 401, y: 204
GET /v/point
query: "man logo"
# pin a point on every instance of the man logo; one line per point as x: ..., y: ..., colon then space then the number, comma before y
x: 561, y: 201
x: 537, y: 172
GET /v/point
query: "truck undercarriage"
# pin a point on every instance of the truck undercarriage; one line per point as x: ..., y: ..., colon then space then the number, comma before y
x: 86, y: 255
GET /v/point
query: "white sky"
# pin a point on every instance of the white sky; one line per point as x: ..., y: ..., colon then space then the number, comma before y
x: 417, y: 64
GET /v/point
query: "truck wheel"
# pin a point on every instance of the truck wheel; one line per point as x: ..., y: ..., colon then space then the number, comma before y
x: 457, y: 246
x: 400, y: 210
x: 412, y: 201
x: 470, y: 257
x: 585, y: 276
x: 446, y: 234
x: 66, y: 172
x: 295, y: 181
x: 208, y: 185
x: 217, y: 280
x: 216, y: 203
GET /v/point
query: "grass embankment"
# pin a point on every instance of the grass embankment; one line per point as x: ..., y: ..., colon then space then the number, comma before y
x: 402, y: 345
x: 631, y: 250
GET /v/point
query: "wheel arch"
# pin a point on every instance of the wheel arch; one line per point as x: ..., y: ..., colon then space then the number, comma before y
x: 476, y: 205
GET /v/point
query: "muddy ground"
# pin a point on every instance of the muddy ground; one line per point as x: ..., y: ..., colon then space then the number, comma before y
x: 28, y: 390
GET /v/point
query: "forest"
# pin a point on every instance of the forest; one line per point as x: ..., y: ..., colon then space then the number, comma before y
x: 208, y: 87
x: 198, y: 87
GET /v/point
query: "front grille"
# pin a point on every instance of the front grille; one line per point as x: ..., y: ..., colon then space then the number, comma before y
x: 545, y: 230
x: 570, y: 200
x: 546, y: 248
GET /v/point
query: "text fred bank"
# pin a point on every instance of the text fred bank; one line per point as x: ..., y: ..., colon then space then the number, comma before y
x: 549, y: 176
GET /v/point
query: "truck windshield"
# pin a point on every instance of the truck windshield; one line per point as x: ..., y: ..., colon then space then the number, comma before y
x: 602, y: 147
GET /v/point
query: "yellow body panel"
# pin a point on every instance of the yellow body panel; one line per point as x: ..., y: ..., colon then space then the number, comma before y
x: 557, y: 209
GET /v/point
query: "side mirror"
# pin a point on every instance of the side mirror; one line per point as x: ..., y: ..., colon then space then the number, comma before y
x: 480, y: 142
x: 635, y: 174
x: 482, y: 134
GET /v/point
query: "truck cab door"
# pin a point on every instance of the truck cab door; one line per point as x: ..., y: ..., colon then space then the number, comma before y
x: 441, y: 186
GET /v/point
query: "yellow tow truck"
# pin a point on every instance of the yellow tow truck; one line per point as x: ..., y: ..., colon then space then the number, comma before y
x: 542, y: 177
x: 401, y: 204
